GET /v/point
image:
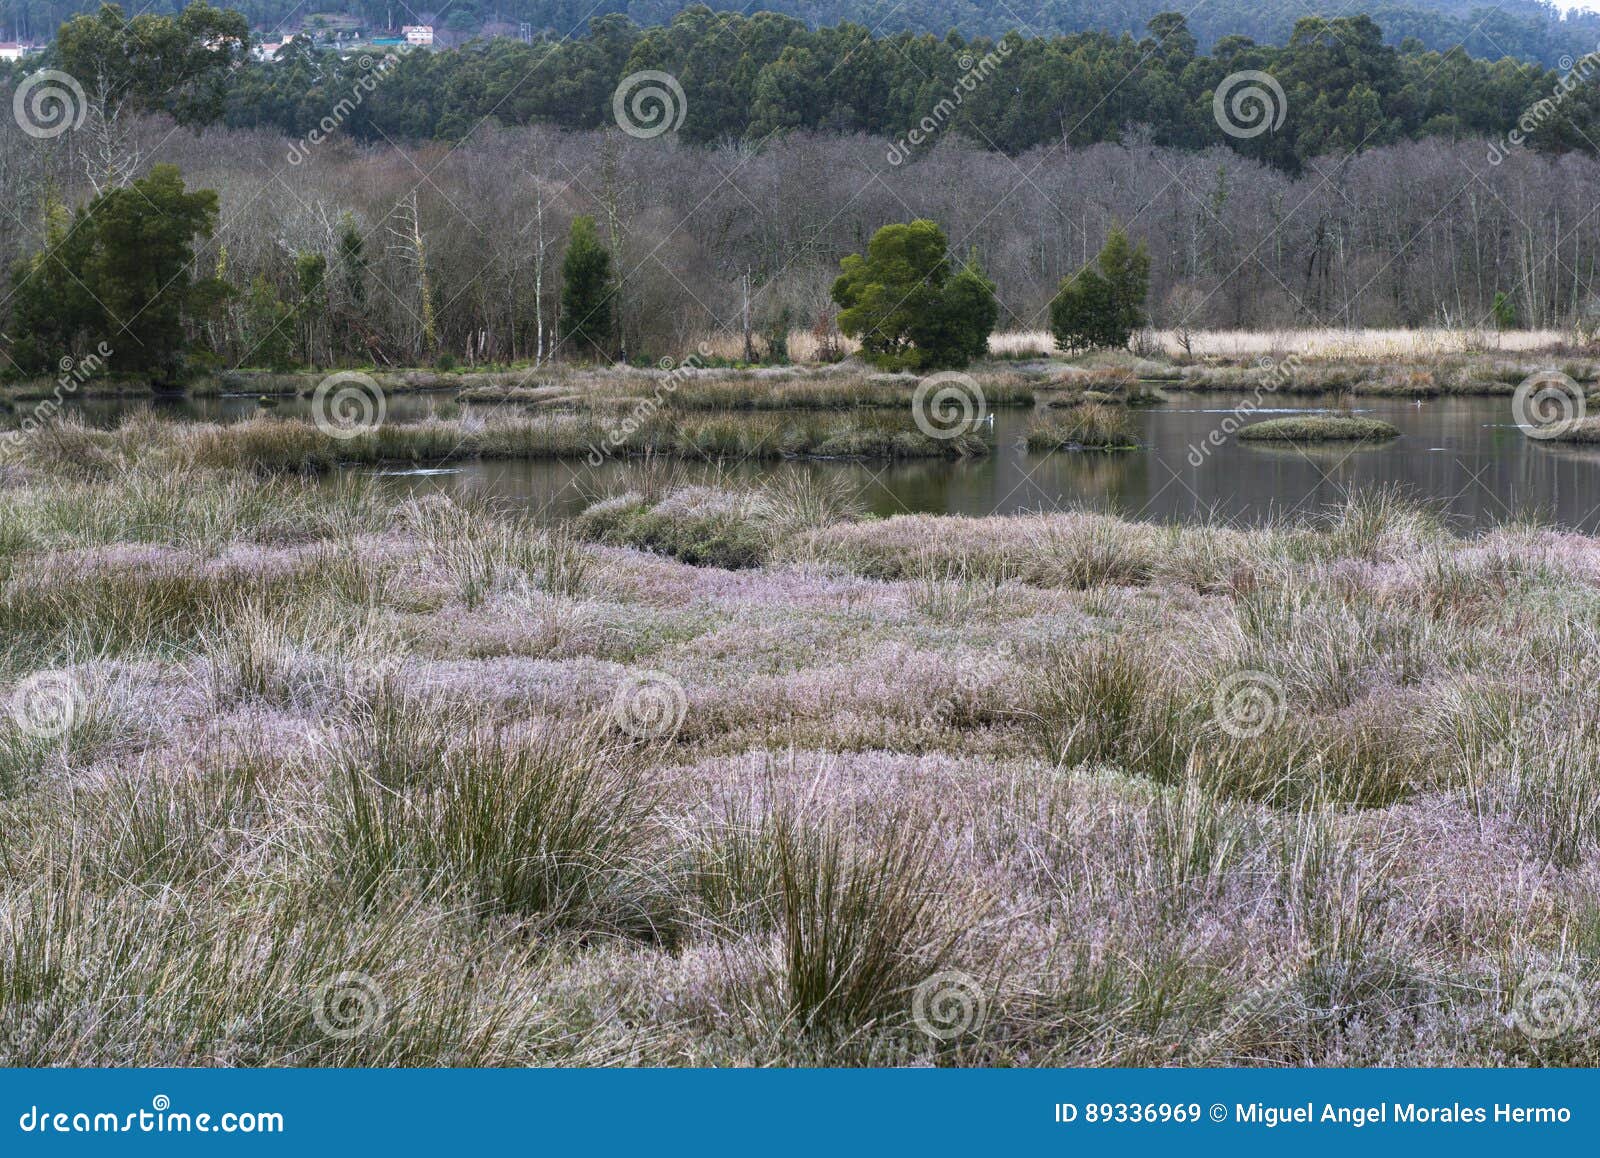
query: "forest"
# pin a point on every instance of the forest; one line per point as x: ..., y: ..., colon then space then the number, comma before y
x: 748, y: 78
x: 1526, y: 29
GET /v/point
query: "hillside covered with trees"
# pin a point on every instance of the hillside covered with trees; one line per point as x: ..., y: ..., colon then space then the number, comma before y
x: 1526, y: 29
x: 749, y: 78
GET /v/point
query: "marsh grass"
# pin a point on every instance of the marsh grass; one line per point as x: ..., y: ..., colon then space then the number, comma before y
x: 555, y: 826
x: 825, y: 391
x: 862, y: 922
x: 734, y: 868
x: 1089, y: 426
x: 1546, y: 779
x: 956, y: 591
x: 1094, y: 551
x: 305, y: 753
x: 483, y: 552
x: 1319, y: 428
x: 696, y: 525
x: 724, y: 526
x: 164, y: 604
x: 1119, y: 704
x: 1194, y: 837
x: 161, y: 831
x: 1337, y: 903
x: 194, y: 509
x: 272, y: 445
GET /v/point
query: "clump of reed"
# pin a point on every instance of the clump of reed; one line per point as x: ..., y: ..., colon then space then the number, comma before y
x: 1243, y: 733
x: 861, y: 921
x: 1090, y: 426
x: 269, y: 444
x: 554, y: 825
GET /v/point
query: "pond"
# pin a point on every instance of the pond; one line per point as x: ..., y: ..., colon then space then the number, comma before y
x: 1463, y: 454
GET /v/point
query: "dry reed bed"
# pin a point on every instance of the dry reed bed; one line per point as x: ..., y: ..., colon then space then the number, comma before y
x: 341, y: 743
x: 843, y: 386
x: 271, y: 445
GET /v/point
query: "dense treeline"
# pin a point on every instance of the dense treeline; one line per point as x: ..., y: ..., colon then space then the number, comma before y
x: 1409, y: 234
x: 750, y: 78
x: 1527, y: 29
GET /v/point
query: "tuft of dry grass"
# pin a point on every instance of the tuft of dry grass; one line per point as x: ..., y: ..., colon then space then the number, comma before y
x: 1091, y: 426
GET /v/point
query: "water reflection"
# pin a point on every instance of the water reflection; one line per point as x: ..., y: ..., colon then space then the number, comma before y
x: 1464, y: 454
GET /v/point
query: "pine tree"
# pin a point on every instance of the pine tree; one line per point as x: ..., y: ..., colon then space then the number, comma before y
x: 269, y: 328
x: 1103, y: 304
x: 586, y: 293
x: 907, y: 309
x: 120, y: 274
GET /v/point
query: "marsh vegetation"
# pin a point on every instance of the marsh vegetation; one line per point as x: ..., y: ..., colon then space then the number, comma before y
x: 1314, y: 793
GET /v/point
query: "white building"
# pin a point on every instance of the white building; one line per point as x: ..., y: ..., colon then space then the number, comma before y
x: 418, y: 34
x: 268, y: 49
x: 10, y: 50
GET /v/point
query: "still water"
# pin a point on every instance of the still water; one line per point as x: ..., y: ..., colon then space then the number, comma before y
x: 1462, y: 454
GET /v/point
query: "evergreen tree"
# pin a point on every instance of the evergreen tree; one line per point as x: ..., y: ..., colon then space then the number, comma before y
x: 1504, y: 311
x: 352, y: 265
x: 901, y: 301
x: 965, y: 319
x: 586, y: 292
x: 311, y: 306
x: 268, y: 328
x: 121, y: 274
x: 1126, y: 268
x: 1103, y: 304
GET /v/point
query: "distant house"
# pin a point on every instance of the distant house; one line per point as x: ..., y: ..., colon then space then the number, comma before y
x: 10, y: 50
x: 268, y: 49
x: 418, y: 34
